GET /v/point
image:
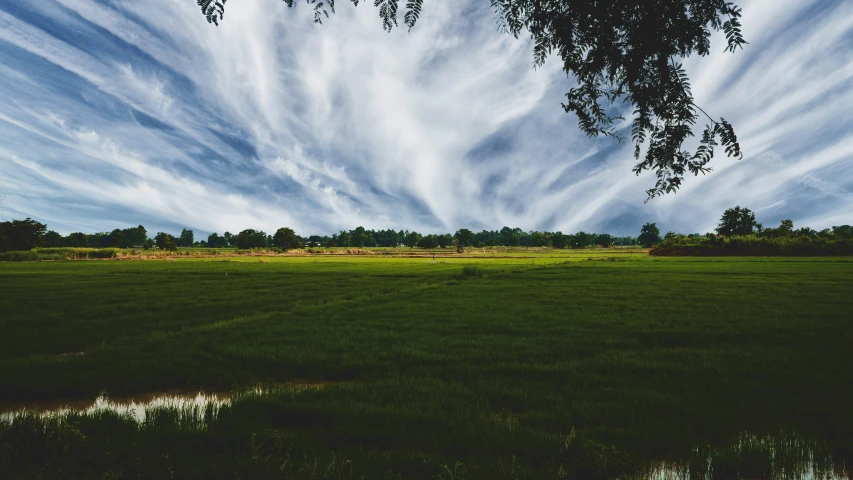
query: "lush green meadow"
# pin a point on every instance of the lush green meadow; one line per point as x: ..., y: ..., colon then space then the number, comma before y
x: 546, y: 364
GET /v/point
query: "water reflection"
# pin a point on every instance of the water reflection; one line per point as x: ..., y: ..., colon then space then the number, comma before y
x: 772, y: 457
x: 197, y: 405
x: 781, y: 456
x: 139, y: 407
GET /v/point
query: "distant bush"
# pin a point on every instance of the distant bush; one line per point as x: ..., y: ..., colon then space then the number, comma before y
x: 752, y: 245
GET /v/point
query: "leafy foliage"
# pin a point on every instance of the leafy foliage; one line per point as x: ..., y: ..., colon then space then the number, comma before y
x: 163, y: 239
x: 737, y: 221
x: 250, y: 238
x: 213, y: 10
x: 187, y: 238
x: 20, y: 234
x: 413, y: 12
x: 285, y: 238
x: 753, y: 245
x: 649, y: 235
x: 617, y: 51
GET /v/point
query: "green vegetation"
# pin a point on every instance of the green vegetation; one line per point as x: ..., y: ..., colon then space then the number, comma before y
x: 755, y: 245
x: 37, y: 254
x: 740, y: 234
x: 542, y: 364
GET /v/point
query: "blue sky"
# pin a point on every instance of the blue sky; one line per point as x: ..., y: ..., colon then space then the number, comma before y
x: 117, y: 113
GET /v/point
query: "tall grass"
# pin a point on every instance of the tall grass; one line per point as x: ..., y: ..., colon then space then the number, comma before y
x: 65, y: 253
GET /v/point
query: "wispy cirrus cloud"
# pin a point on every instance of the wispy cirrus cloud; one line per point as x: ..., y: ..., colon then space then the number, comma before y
x: 124, y: 112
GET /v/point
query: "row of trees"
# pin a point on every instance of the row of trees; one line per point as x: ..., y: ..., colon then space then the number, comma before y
x: 737, y: 221
x: 739, y: 233
x: 741, y: 221
x: 509, y: 237
x: 28, y: 234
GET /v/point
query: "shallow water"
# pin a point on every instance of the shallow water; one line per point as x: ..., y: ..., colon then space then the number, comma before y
x: 133, y: 406
x: 679, y: 472
x: 782, y: 456
x: 137, y: 406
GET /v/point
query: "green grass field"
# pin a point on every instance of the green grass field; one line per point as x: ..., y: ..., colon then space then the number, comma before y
x: 590, y: 364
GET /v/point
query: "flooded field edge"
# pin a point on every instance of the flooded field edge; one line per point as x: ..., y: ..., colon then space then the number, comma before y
x: 137, y: 405
x: 780, y: 456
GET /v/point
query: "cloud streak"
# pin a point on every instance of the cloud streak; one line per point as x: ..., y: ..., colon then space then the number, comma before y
x: 126, y: 112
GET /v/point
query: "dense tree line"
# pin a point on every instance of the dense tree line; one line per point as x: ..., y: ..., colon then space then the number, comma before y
x: 735, y: 222
x: 506, y: 237
x: 28, y: 234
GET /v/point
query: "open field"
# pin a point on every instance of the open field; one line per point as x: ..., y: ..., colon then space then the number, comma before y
x: 549, y: 364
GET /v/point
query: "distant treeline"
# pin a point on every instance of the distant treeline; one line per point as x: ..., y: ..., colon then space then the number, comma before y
x: 738, y: 233
x: 28, y: 234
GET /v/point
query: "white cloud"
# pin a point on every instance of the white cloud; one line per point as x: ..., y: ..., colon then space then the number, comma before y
x: 270, y: 120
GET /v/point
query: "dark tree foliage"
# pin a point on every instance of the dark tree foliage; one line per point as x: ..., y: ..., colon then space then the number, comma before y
x: 604, y: 240
x: 21, y: 234
x: 649, y: 235
x: 466, y: 237
x: 186, y: 239
x: 51, y: 239
x: 411, y: 239
x: 618, y: 51
x: 429, y: 241
x: 215, y: 241
x: 285, y: 238
x: 540, y: 239
x: 359, y: 238
x: 558, y: 240
x: 213, y: 10
x: 251, y: 239
x: 843, y: 231
x: 739, y: 221
x: 162, y: 240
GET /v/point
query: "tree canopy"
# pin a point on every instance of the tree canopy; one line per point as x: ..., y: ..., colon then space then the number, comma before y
x: 286, y: 239
x: 739, y: 221
x: 649, y: 235
x: 618, y: 51
x: 21, y: 234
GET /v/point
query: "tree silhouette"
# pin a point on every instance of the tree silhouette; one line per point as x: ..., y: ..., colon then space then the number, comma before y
x: 286, y: 239
x: 617, y: 51
x: 649, y: 235
x: 741, y: 221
